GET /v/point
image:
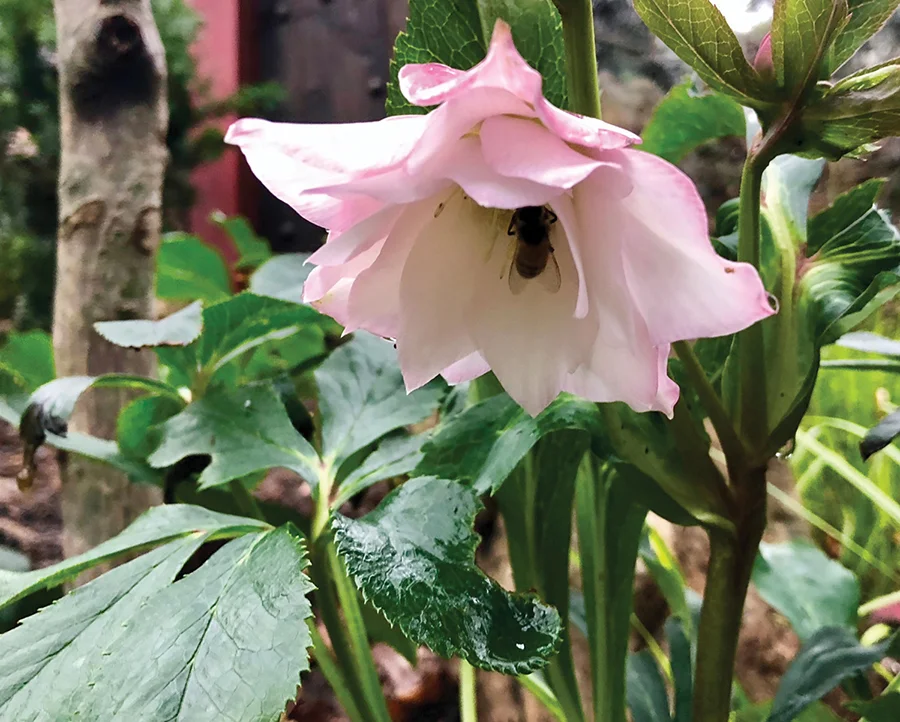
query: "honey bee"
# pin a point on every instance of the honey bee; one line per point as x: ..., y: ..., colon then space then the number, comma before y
x: 533, y: 252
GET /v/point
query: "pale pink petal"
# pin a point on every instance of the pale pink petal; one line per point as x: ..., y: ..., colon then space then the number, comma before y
x: 521, y: 148
x: 343, y: 247
x: 290, y: 159
x: 565, y: 212
x: 683, y: 289
x: 437, y: 287
x: 328, y: 287
x: 458, y: 117
x: 466, y: 167
x: 504, y: 68
x: 394, y: 186
x: 375, y: 298
x: 466, y: 369
x: 532, y: 339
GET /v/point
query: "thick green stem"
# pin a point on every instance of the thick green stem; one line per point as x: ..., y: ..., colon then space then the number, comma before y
x: 581, y: 56
x: 468, y: 699
x: 751, y: 349
x: 730, y: 565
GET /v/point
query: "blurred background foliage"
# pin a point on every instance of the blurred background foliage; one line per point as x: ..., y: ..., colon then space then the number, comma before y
x: 29, y: 143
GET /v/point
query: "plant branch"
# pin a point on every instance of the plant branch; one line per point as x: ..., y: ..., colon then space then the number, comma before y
x: 468, y: 702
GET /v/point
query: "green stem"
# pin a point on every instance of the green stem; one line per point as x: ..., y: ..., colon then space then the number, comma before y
x: 581, y: 56
x: 468, y: 702
x: 731, y: 443
x: 862, y: 365
x: 751, y: 349
x: 543, y: 694
x: 730, y: 565
x: 333, y: 675
x: 245, y: 501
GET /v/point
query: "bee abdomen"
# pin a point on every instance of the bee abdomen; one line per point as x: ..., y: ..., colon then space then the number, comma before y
x: 529, y: 268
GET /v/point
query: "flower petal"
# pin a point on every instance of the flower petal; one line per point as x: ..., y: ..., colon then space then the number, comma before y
x: 505, y: 68
x: 374, y: 303
x: 466, y: 369
x: 328, y: 287
x: 467, y: 167
x: 436, y: 289
x: 290, y: 159
x: 683, y: 289
x: 342, y: 247
x: 521, y: 148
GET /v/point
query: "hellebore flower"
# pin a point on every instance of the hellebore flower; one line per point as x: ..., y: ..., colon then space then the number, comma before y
x: 501, y: 233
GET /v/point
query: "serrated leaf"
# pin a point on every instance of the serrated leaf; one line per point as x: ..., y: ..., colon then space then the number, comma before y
x: 27, y: 360
x: 802, y: 31
x: 252, y: 249
x: 243, y: 430
x: 856, y: 262
x: 413, y: 558
x: 156, y: 526
x: 807, y: 587
x: 395, y: 456
x: 189, y: 270
x: 698, y: 33
x: 484, y: 443
x: 885, y: 708
x: 647, y: 697
x: 538, y: 36
x: 179, y: 329
x: 234, y: 327
x: 866, y: 18
x: 437, y: 31
x: 831, y: 655
x: 228, y: 641
x: 282, y: 277
x: 362, y: 397
x: 688, y: 118
x: 855, y: 112
x: 879, y: 436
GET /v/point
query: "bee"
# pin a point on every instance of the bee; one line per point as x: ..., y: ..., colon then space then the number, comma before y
x: 533, y: 252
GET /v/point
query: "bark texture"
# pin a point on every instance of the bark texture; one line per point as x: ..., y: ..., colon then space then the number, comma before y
x: 113, y: 122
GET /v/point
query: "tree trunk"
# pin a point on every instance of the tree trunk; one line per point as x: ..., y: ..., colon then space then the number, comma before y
x: 113, y: 121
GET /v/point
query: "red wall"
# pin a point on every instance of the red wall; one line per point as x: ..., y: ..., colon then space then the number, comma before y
x: 218, y: 53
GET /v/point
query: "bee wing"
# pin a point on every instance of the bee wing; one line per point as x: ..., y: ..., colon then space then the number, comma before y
x: 550, y: 279
x: 516, y: 282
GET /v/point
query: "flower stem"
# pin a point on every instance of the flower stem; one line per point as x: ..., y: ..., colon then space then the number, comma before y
x: 731, y: 560
x: 468, y: 702
x: 581, y: 56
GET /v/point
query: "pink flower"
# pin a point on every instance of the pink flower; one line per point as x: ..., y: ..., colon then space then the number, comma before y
x: 420, y: 209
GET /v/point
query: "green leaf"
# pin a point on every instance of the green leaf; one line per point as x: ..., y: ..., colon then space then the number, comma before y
x: 243, y: 430
x: 880, y: 435
x: 138, y: 426
x: 807, y: 587
x: 484, y: 443
x: 237, y: 626
x: 866, y: 18
x: 885, y: 708
x: 698, y: 33
x: 802, y: 30
x: 831, y: 655
x: 380, y: 629
x: 855, y: 112
x: 437, y: 31
x: 282, y: 277
x: 413, y: 558
x: 362, y: 397
x: 179, y: 329
x: 27, y: 359
x: 647, y: 698
x: 395, y: 456
x: 537, y: 33
x: 856, y: 263
x: 666, y: 572
x: 680, y: 655
x: 252, y: 250
x: 788, y: 183
x: 156, y: 526
x: 688, y: 118
x: 188, y: 270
